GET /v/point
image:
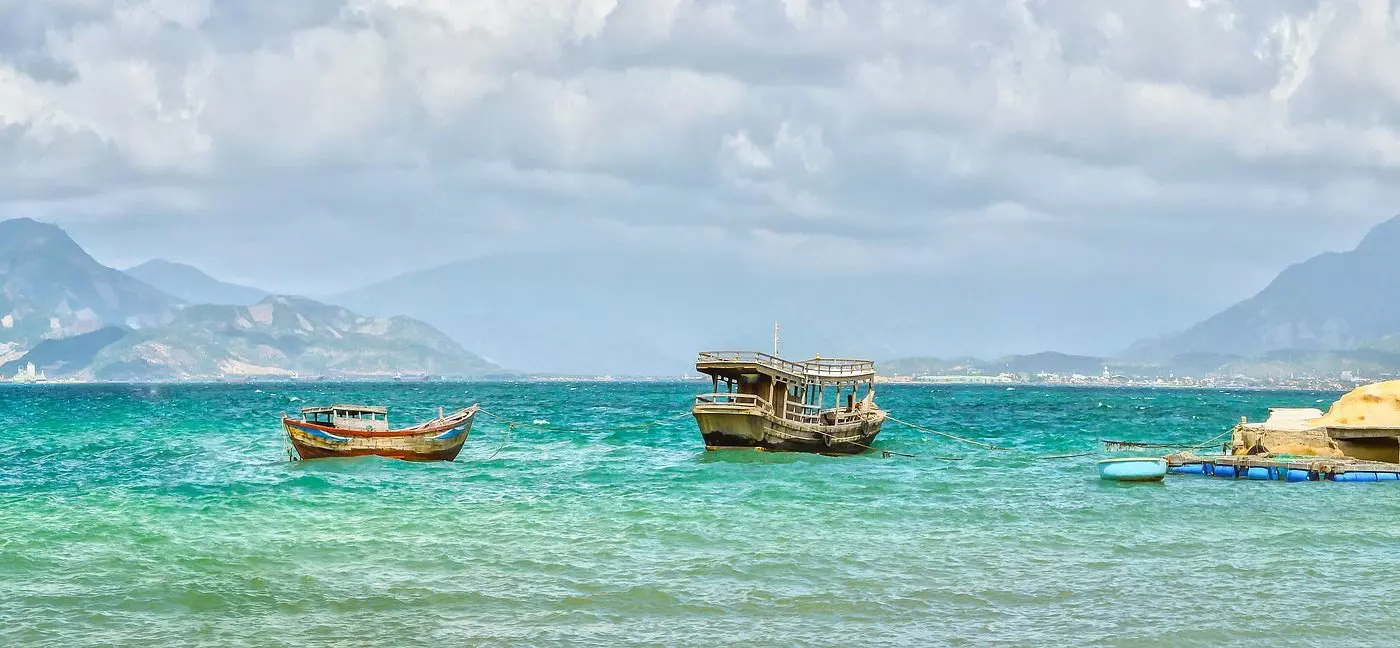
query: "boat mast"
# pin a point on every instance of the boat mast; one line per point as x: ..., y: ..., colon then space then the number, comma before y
x: 773, y: 381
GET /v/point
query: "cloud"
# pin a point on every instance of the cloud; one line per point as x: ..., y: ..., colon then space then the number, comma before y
x: 1056, y: 138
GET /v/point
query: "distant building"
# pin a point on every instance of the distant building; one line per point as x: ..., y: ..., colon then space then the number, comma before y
x: 966, y: 380
x: 28, y: 374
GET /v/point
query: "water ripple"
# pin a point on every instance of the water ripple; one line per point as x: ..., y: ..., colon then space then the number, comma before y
x: 168, y: 515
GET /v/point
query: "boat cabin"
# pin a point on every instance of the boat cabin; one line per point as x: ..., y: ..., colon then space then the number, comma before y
x: 350, y: 417
x: 821, y: 391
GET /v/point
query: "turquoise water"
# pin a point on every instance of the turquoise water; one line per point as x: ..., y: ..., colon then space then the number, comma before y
x: 169, y: 515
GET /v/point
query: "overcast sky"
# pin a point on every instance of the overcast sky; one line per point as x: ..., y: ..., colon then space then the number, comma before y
x: 1188, y: 149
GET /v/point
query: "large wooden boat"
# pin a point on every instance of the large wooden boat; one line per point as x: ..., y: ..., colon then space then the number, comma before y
x: 356, y: 430
x: 763, y: 401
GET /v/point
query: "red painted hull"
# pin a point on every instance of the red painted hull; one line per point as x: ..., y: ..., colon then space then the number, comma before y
x: 312, y: 452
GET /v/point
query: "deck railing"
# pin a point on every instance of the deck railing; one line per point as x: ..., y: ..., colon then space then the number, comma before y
x: 803, y: 413
x: 795, y: 412
x: 740, y: 400
x: 815, y: 368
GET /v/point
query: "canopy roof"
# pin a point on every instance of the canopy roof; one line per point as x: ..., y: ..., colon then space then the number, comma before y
x: 816, y: 370
x: 364, y: 409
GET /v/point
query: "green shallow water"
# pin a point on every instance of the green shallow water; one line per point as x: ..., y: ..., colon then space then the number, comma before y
x: 168, y: 515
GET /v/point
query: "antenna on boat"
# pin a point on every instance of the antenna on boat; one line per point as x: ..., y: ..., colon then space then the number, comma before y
x: 775, y: 339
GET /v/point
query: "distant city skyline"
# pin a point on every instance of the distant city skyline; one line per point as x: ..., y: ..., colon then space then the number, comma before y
x: 1068, y: 175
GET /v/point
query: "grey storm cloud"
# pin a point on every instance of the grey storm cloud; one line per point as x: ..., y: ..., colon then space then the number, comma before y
x: 1158, y: 140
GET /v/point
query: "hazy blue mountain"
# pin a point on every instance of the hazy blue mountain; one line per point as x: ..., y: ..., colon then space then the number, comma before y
x: 51, y: 288
x: 1288, y: 363
x: 1046, y: 362
x: 280, y: 335
x: 599, y: 311
x: 193, y: 285
x: 1378, y: 359
x: 1337, y: 300
x: 70, y: 315
x: 925, y: 365
x: 640, y: 314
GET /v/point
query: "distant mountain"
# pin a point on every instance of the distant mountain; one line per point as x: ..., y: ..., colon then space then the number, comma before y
x: 67, y: 355
x: 932, y: 366
x: 50, y: 288
x: 1047, y: 362
x: 278, y: 336
x: 193, y: 285
x: 1382, y: 359
x: 70, y: 315
x: 1052, y: 362
x: 1337, y: 300
x: 576, y: 315
x: 642, y: 312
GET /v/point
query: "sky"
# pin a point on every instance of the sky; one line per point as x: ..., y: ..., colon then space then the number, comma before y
x: 1142, y: 163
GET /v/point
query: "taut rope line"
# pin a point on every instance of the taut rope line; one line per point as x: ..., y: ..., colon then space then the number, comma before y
x: 945, y: 434
x: 1208, y: 443
x: 511, y: 425
x: 551, y: 428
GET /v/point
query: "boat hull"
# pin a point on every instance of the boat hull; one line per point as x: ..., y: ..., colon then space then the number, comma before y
x: 319, y: 442
x: 1133, y: 469
x: 751, y: 430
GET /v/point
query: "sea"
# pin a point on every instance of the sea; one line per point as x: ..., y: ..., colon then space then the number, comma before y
x: 170, y: 515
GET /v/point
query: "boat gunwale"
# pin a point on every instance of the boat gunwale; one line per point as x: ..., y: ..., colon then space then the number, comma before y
x: 345, y: 407
x: 874, y: 416
x: 468, y: 417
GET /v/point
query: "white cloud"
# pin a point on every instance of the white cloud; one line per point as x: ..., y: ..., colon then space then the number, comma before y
x: 950, y: 131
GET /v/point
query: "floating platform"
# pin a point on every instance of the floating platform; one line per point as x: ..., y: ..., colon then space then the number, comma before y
x: 1292, y: 468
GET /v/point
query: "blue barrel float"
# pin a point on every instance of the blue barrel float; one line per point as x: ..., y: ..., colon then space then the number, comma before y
x: 1288, y: 468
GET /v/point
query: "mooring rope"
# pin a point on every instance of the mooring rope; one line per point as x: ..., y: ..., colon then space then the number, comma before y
x: 988, y: 445
x: 1120, y: 445
x: 510, y: 432
x: 551, y: 428
x: 945, y: 434
x: 512, y: 424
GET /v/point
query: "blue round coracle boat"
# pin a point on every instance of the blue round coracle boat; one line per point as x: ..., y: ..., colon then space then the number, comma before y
x: 1133, y: 469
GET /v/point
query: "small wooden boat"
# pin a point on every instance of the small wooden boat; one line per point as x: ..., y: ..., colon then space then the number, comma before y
x: 765, y: 402
x: 1134, y: 469
x: 356, y: 430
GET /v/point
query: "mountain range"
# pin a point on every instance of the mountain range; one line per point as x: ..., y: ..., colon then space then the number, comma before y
x: 192, y: 285
x: 278, y: 336
x: 51, y: 288
x: 1333, y: 301
x: 577, y: 314
x: 72, y: 316
x: 1335, y: 312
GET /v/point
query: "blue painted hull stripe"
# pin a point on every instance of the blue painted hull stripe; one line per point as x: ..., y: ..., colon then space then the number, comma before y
x: 450, y: 433
x: 324, y: 435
